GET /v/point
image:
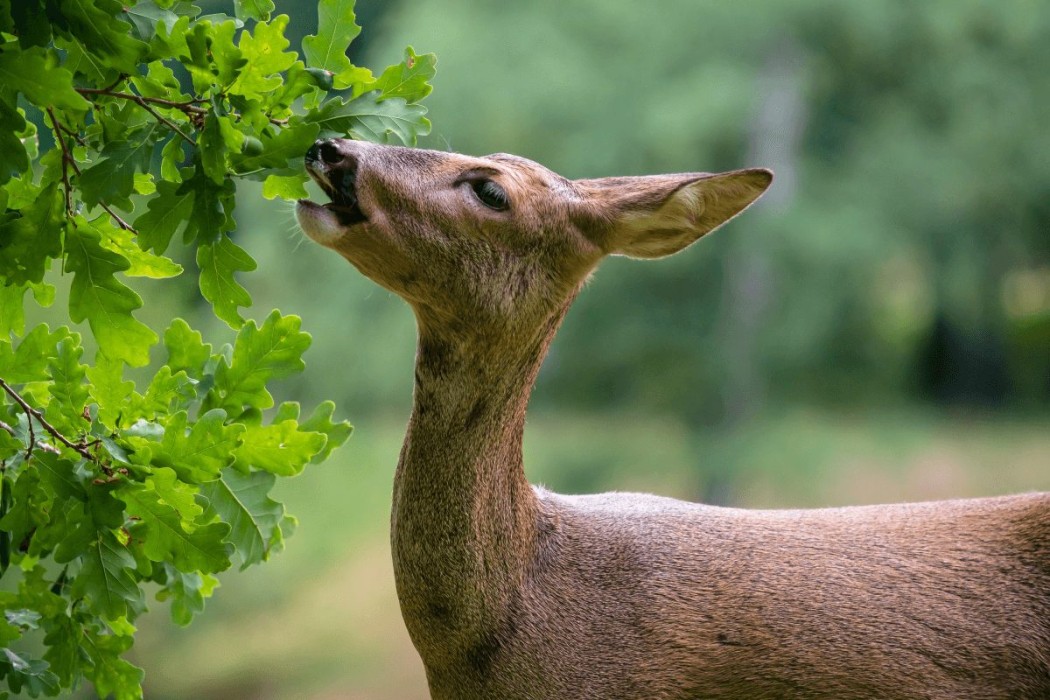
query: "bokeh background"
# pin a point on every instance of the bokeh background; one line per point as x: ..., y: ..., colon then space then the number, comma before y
x: 877, y: 329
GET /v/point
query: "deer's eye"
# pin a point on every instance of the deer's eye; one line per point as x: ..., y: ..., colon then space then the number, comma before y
x: 490, y: 194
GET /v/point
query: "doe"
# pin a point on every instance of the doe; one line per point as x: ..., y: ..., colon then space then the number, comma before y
x: 510, y: 591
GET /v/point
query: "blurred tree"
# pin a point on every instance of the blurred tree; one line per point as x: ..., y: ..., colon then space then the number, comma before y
x: 921, y: 184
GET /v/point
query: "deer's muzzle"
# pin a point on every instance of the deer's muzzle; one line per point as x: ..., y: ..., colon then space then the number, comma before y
x: 335, y: 171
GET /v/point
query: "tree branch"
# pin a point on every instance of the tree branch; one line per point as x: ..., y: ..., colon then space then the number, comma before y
x: 67, y: 158
x: 189, y: 107
x: 167, y: 122
x: 32, y: 413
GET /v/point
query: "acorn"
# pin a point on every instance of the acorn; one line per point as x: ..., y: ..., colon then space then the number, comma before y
x: 251, y: 146
x: 322, y: 78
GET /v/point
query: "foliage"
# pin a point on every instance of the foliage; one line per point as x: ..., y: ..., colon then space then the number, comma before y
x: 123, y: 128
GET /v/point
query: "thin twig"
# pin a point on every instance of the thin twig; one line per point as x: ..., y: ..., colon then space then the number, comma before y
x: 32, y: 413
x: 72, y: 133
x: 67, y: 158
x: 188, y: 107
x: 120, y: 222
x: 4, y: 426
x: 162, y: 119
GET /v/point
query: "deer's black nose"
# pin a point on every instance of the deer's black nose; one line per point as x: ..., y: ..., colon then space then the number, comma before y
x: 324, y: 151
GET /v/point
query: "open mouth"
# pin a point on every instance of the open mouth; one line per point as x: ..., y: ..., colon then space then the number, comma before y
x: 340, y: 186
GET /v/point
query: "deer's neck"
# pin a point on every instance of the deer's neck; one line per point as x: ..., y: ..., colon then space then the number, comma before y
x: 464, y: 517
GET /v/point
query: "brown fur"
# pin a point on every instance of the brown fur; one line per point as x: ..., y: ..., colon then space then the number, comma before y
x: 510, y: 591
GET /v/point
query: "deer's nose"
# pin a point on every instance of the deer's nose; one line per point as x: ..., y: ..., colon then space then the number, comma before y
x: 325, y: 151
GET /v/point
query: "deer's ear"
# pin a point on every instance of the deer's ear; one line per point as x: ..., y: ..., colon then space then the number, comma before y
x: 657, y: 215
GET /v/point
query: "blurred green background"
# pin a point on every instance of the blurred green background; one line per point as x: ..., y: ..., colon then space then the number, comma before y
x: 877, y: 329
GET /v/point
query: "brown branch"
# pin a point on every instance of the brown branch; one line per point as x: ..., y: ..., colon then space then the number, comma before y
x: 32, y: 413
x: 163, y: 120
x: 67, y: 158
x: 5, y: 427
x: 189, y: 107
x: 72, y: 133
x: 120, y: 222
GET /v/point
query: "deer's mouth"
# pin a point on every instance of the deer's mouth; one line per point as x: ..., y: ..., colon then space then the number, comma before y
x: 341, y: 187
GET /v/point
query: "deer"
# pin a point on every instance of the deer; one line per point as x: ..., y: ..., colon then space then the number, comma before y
x: 510, y: 591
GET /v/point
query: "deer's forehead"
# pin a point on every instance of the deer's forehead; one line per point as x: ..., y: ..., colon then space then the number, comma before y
x: 534, y: 180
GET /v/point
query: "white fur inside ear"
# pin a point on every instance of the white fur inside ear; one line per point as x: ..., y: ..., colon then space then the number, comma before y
x: 667, y: 230
x: 689, y: 212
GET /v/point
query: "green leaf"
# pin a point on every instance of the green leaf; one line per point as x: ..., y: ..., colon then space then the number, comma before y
x: 145, y: 16
x: 288, y: 144
x: 85, y: 64
x: 108, y: 37
x: 336, y: 28
x: 140, y: 263
x: 253, y: 9
x: 164, y: 537
x: 30, y: 23
x: 212, y: 150
x: 212, y: 212
x: 168, y: 392
x: 213, y: 61
x: 320, y: 421
x: 12, y: 312
x: 30, y: 238
x: 175, y: 493
x: 218, y: 262
x: 109, y: 390
x: 199, y: 453
x: 31, y: 674
x: 298, y: 81
x: 63, y: 647
x: 260, y: 354
x: 63, y: 483
x: 106, y: 578
x: 111, y: 674
x: 288, y: 187
x: 112, y: 181
x: 409, y: 79
x: 13, y: 158
x: 242, y: 500
x: 170, y: 42
x: 264, y: 49
x: 68, y: 391
x: 368, y: 119
x: 97, y: 296
x: 165, y: 214
x: 187, y: 593
x: 35, y: 74
x: 187, y: 350
x: 281, y: 448
x: 171, y: 159
x: 29, y: 507
x: 28, y: 362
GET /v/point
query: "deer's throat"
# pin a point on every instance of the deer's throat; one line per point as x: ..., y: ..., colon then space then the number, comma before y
x: 464, y: 517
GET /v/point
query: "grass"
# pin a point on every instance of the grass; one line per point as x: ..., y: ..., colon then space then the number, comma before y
x: 322, y: 621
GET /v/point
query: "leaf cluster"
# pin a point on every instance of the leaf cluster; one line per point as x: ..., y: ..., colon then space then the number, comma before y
x: 123, y: 132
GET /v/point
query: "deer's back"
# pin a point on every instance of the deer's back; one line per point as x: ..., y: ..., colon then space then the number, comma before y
x: 637, y: 596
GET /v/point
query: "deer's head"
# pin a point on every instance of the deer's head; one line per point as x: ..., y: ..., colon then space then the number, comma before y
x: 500, y: 243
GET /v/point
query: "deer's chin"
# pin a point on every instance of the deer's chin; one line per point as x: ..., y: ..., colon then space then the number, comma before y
x: 327, y: 223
